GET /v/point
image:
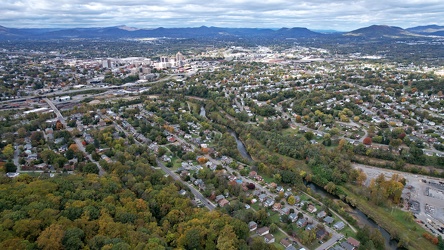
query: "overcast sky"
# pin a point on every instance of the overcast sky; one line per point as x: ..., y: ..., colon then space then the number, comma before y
x: 343, y: 15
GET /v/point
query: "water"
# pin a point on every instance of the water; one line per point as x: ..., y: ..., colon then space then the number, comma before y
x: 360, y: 217
x: 240, y: 146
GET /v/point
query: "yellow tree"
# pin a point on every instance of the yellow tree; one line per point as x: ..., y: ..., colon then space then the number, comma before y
x: 51, y: 238
x: 8, y: 151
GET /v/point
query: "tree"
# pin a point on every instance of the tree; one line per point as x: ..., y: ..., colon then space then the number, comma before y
x: 73, y: 238
x: 367, y: 141
x: 227, y: 239
x: 10, y: 167
x: 91, y: 168
x: 8, y: 151
x: 51, y: 238
x: 90, y: 148
x: 330, y: 187
x: 291, y: 200
x: 273, y: 228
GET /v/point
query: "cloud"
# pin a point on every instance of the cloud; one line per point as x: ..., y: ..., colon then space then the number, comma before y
x: 314, y: 14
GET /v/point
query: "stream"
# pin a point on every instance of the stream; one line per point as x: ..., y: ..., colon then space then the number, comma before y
x: 359, y: 216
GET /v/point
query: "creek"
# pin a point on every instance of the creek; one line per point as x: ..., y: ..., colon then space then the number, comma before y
x: 359, y: 216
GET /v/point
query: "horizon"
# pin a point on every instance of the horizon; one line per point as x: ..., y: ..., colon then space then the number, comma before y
x: 318, y: 15
x: 326, y: 29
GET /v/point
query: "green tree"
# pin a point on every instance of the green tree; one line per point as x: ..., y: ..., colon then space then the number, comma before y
x: 10, y: 167
x: 227, y: 239
x: 73, y: 239
x: 51, y: 238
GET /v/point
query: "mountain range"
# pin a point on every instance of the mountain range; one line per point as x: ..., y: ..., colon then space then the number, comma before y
x: 119, y: 32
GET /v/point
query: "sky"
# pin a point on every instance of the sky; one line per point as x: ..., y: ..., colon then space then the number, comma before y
x: 341, y: 15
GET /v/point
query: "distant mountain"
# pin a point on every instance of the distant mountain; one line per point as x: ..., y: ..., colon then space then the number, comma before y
x: 204, y: 32
x: 296, y: 32
x: 381, y: 31
x: 428, y: 30
x: 129, y: 32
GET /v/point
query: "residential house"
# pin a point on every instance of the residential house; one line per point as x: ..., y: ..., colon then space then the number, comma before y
x: 277, y: 206
x: 252, y: 225
x: 182, y: 192
x: 285, y: 210
x: 252, y: 174
x: 263, y: 231
x: 321, y: 214
x: 223, y: 202
x: 297, y: 199
x: 293, y: 217
x: 269, y: 238
x: 311, y: 208
x: 269, y: 202
x: 219, y: 197
x: 280, y: 189
x: 291, y: 248
x: 339, y: 225
x: 286, y: 243
x: 288, y: 194
x: 347, y: 246
x: 309, y: 227
x: 262, y: 197
x: 328, y: 220
x: 352, y: 241
x: 321, y: 234
x: 302, y: 222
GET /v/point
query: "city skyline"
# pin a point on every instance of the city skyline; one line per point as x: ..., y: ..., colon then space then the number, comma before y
x: 338, y: 15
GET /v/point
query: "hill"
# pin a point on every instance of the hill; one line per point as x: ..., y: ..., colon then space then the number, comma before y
x: 381, y: 31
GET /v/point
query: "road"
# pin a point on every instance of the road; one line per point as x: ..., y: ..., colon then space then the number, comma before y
x: 208, y: 204
x: 77, y: 140
x: 82, y: 148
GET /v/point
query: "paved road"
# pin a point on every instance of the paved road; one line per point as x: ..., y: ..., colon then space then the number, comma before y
x: 82, y: 148
x: 77, y: 140
x: 208, y: 204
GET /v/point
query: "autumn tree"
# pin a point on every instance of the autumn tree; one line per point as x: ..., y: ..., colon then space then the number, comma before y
x: 51, y: 238
x: 367, y: 141
x: 8, y: 151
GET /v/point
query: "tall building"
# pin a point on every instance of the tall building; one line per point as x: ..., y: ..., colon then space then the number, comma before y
x: 179, y: 59
x: 107, y: 63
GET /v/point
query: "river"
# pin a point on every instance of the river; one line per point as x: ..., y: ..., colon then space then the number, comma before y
x: 359, y: 216
x: 240, y: 146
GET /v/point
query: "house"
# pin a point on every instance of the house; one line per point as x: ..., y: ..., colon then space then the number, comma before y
x: 223, y: 202
x: 311, y: 208
x: 309, y: 227
x: 297, y: 199
x: 339, y: 225
x: 263, y: 231
x: 286, y: 243
x: 302, y: 222
x: 291, y: 248
x: 269, y: 238
x: 182, y: 192
x: 277, y: 206
x: 293, y: 217
x: 288, y: 194
x: 285, y: 210
x: 347, y: 246
x: 262, y: 197
x: 329, y: 220
x: 219, y: 197
x: 252, y: 174
x: 321, y: 234
x: 280, y: 189
x: 258, y: 178
x: 321, y: 214
x: 352, y: 241
x: 269, y: 202
x: 252, y: 225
